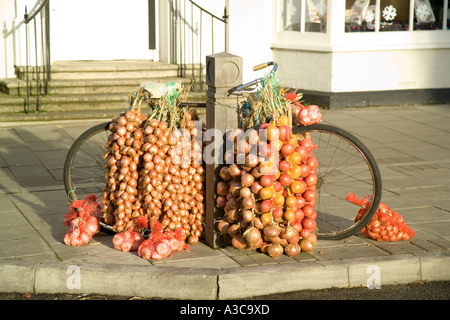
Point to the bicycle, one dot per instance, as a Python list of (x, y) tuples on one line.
[(345, 165)]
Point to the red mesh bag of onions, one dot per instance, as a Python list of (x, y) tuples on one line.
[(161, 244), (303, 115), (82, 220), (386, 224)]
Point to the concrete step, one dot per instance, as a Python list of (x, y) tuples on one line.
[(73, 115), (11, 104), (63, 103), (121, 69), (78, 87), (86, 86)]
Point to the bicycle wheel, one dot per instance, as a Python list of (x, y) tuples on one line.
[(84, 171), (345, 165)]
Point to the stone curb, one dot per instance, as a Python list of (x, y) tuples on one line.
[(220, 284)]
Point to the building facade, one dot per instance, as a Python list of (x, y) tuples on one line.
[(364, 52), (339, 53)]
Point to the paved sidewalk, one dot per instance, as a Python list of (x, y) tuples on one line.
[(411, 145)]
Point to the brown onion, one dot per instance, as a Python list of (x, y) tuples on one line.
[(275, 250), (248, 216), (292, 249), (247, 180), (252, 236), (248, 203), (245, 192), (239, 242)]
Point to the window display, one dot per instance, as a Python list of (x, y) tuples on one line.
[(448, 15), (394, 15), (290, 14), (316, 16), (360, 16), (303, 15), (428, 14)]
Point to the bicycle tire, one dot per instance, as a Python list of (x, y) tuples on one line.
[(84, 167), (345, 165)]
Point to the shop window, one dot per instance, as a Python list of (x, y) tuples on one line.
[(428, 14), (394, 15), (290, 13), (360, 16), (316, 16), (303, 15), (448, 15)]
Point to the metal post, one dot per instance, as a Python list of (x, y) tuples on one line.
[(37, 71), (200, 85), (226, 27), (192, 42), (27, 105), (47, 45), (223, 71), (5, 31)]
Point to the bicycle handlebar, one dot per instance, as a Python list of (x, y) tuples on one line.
[(262, 66), (253, 82)]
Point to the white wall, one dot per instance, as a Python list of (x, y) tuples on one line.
[(250, 33), (117, 29), (249, 30), (354, 71), (99, 30), (390, 70), (79, 30), (308, 70)]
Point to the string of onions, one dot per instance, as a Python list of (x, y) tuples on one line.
[(141, 177), (265, 207)]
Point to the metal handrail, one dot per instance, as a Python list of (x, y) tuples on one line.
[(16, 27), (223, 19), (31, 16), (179, 37), (42, 8)]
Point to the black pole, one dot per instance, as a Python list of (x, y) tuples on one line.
[(27, 105), (47, 45), (37, 66)]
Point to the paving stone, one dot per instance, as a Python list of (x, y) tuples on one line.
[(52, 159), (15, 227), (427, 245), (33, 176), (399, 247), (265, 259), (10, 139), (18, 157), (347, 252), (245, 260), (440, 229), (443, 243), (210, 262), (38, 133), (17, 248), (51, 145)]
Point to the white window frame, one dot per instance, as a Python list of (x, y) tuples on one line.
[(337, 40)]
